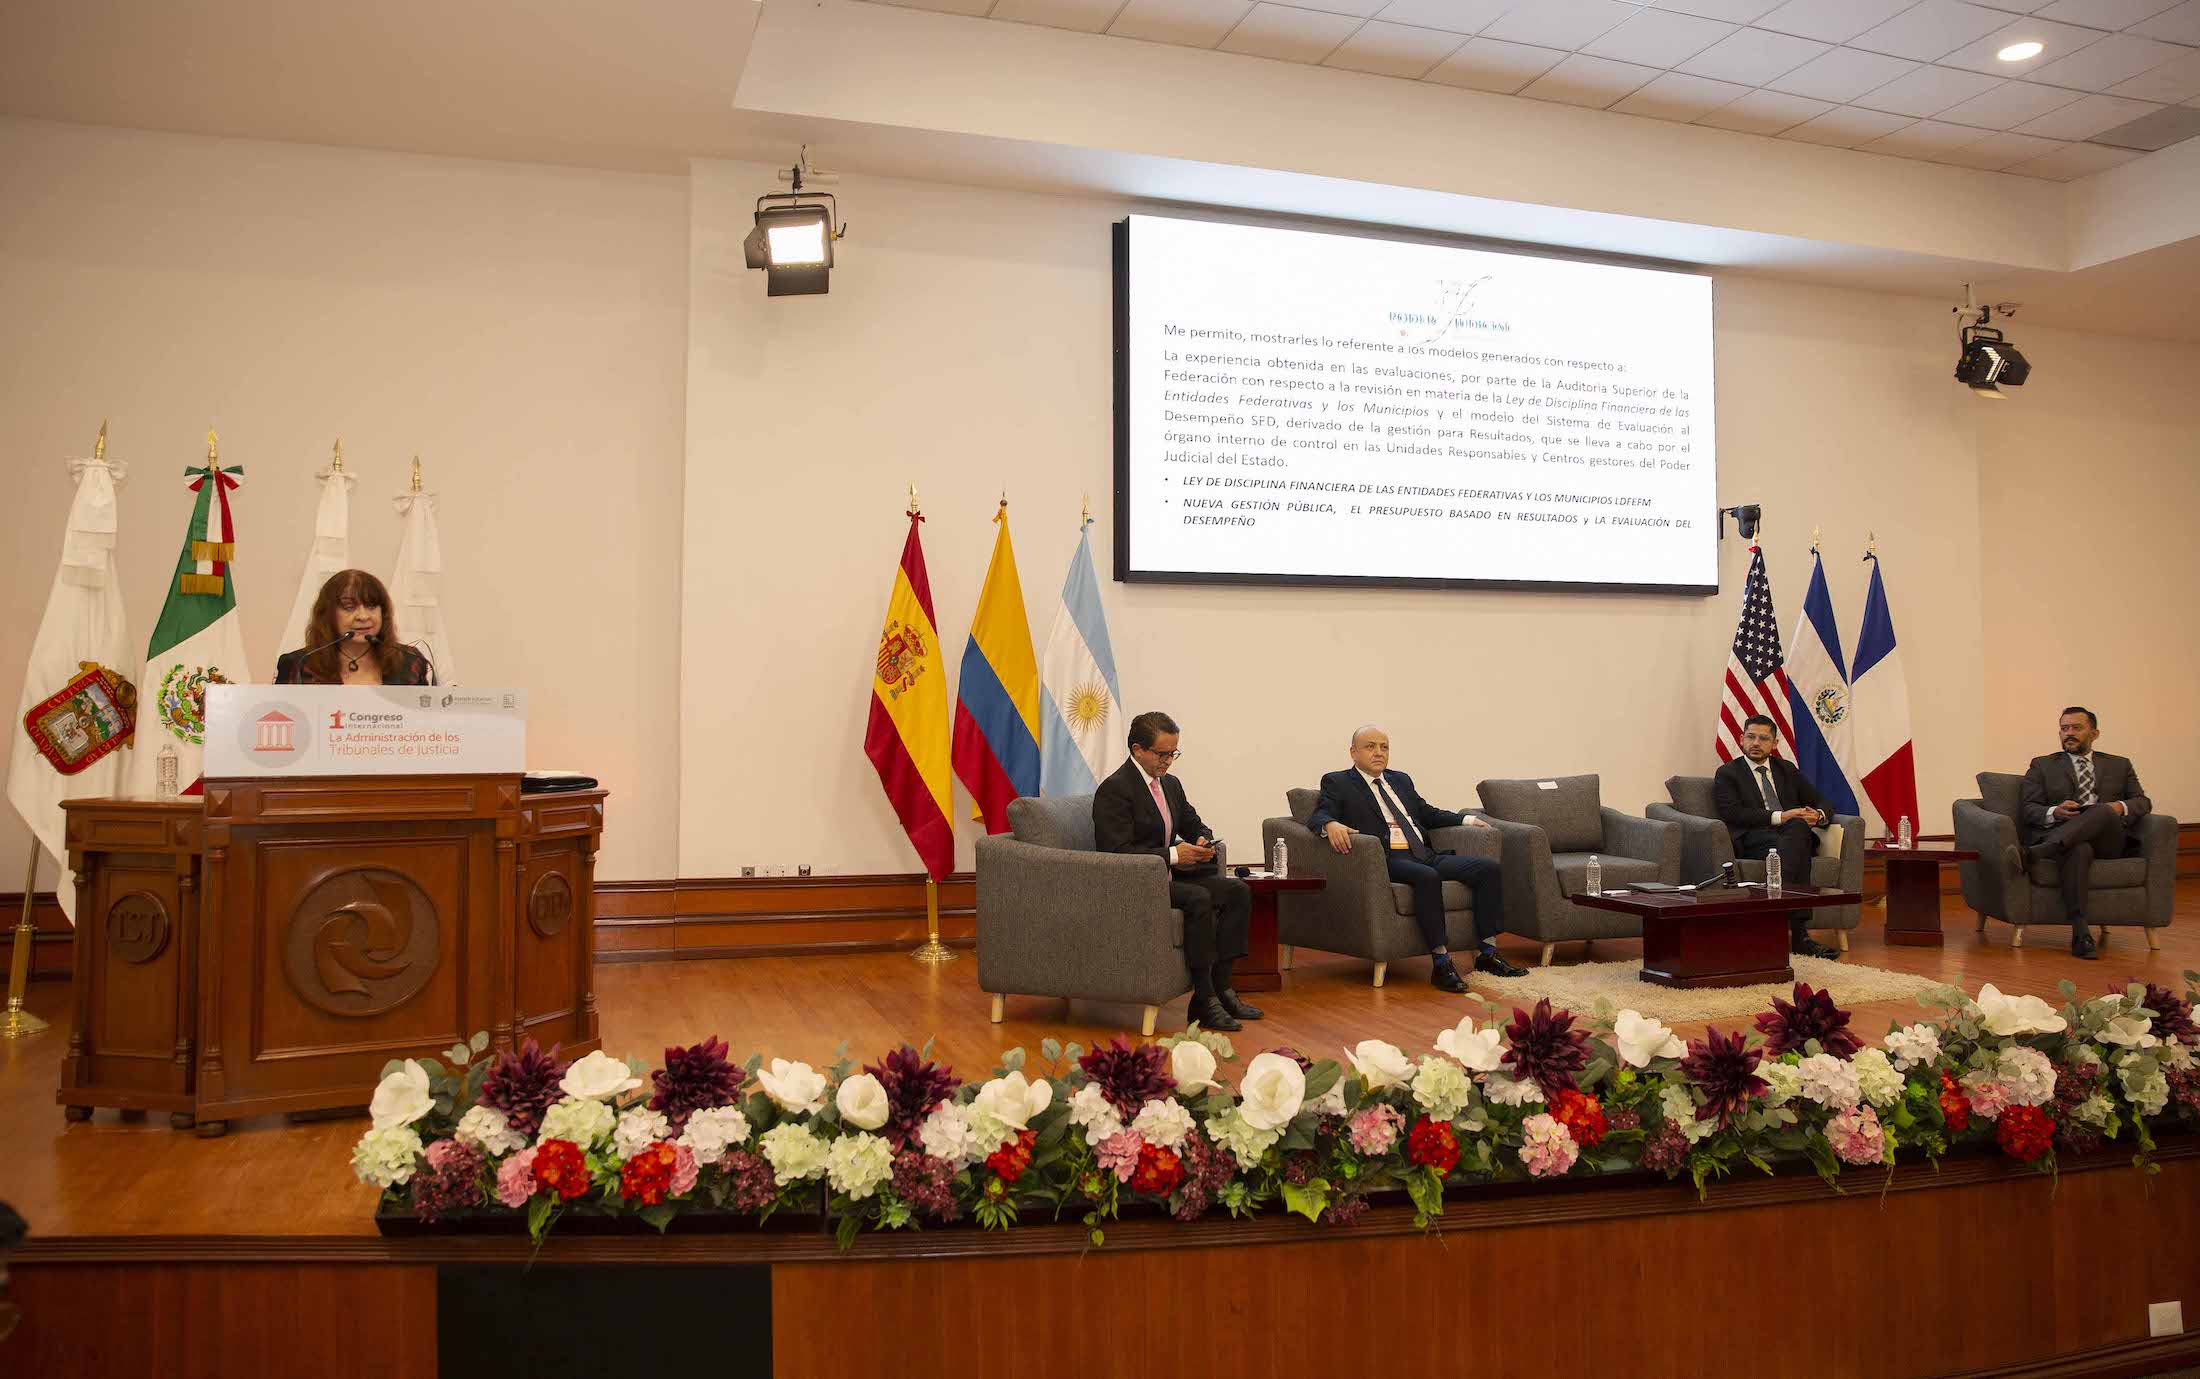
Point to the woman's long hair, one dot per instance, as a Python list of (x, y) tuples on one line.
[(321, 628)]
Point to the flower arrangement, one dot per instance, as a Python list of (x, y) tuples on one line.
[(1091, 1134)]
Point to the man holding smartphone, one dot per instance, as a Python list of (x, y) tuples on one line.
[(1141, 808)]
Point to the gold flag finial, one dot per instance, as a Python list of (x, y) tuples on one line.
[(1871, 545), (336, 458), (913, 508), (1086, 519), (213, 446), (1814, 531), (416, 474), (99, 447)]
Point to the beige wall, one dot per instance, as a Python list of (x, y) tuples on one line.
[(522, 327)]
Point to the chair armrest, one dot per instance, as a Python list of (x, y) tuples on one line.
[(2158, 844), (1647, 840), (1852, 850), (1354, 882), (1994, 884), (1080, 899), (1531, 878), (1705, 844), (1468, 841)]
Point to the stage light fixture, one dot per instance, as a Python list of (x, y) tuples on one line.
[(1747, 518), (1989, 362), (793, 238)]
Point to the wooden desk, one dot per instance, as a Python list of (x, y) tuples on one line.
[(1733, 936), (270, 946), (1913, 889)]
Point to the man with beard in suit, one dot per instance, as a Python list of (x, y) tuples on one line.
[(2080, 805)]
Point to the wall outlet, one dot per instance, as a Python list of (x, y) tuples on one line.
[(2165, 1318), (748, 871), (803, 870)]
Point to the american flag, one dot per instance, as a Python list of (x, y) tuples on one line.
[(1756, 681)]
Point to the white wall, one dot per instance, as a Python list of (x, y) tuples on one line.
[(523, 328)]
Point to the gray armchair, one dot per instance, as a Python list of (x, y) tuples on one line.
[(2136, 891), (1551, 828), (1056, 918), (1706, 846), (1360, 911)]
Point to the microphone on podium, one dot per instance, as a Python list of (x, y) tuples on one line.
[(375, 639)]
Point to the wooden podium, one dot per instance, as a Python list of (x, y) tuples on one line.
[(271, 946)]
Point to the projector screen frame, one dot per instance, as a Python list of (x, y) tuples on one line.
[(1119, 241)]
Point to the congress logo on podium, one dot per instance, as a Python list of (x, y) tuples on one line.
[(274, 735)]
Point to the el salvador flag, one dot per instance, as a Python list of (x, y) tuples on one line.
[(1081, 719), (1818, 696)]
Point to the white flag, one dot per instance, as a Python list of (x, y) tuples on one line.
[(74, 718), (1081, 719), (329, 553), (416, 589)]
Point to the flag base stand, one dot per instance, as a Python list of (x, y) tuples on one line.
[(932, 952), (19, 1023)]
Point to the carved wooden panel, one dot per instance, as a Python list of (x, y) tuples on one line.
[(361, 942)]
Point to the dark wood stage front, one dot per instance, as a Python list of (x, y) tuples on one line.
[(155, 1252)]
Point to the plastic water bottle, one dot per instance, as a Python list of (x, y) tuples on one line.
[(1904, 837), (1593, 881), (164, 772), (1772, 871), (1279, 859)]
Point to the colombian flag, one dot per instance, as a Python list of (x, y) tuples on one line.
[(997, 703), (907, 736)]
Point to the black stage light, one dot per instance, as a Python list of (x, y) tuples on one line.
[(1990, 363), (793, 242)]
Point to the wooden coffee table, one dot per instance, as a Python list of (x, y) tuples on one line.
[(1732, 936), (1257, 970), (1913, 889)]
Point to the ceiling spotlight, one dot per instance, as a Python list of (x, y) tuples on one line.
[(1989, 362), (793, 240), (2018, 52)]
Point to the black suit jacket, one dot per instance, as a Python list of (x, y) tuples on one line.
[(1124, 819), (1347, 799), (1741, 804), (413, 669), (2050, 780)]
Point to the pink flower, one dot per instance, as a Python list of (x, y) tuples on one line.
[(516, 1179), (1118, 1153), (683, 1170), (1989, 1098), (1547, 1150), (1856, 1136), (1374, 1129)]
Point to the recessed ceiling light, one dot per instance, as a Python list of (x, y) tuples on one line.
[(2018, 52)]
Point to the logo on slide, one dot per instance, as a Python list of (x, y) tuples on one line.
[(1830, 705)]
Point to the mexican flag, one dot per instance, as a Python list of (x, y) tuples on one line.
[(198, 641)]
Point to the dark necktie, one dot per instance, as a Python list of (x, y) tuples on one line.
[(1764, 783), (2085, 780), (1415, 847)]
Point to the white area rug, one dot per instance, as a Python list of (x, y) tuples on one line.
[(1577, 986)]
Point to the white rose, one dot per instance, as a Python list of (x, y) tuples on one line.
[(711, 1133), (862, 1102), (1192, 1064), (797, 1087), (490, 1130), (1480, 1051), (598, 1077), (1273, 1089), (2012, 1015), (582, 1122), (1013, 1101), (793, 1152), (2128, 1031), (1379, 1064), (1642, 1039), (1163, 1122), (402, 1097), (638, 1130)]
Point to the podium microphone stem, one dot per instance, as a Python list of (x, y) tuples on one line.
[(932, 951), (20, 1023)]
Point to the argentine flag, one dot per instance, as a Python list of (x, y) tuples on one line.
[(1818, 696), (1081, 717)]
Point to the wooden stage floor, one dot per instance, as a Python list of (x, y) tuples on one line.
[(110, 1178)]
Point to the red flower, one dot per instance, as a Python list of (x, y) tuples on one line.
[(1582, 1116), (560, 1168), (1955, 1107), (1159, 1171), (2024, 1132), (1431, 1142), (648, 1175), (1011, 1159)]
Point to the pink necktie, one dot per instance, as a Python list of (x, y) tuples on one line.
[(1154, 783)]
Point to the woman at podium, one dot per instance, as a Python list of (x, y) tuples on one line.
[(351, 639)]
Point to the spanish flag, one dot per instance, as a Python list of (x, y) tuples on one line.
[(997, 698), (907, 736)]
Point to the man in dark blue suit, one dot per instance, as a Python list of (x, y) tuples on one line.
[(1371, 798)]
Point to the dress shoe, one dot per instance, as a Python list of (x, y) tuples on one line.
[(1811, 948), (2081, 943), (1444, 976), (1209, 1014), (1237, 1006), (1488, 960)]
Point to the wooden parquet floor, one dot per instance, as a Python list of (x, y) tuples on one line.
[(109, 1177)]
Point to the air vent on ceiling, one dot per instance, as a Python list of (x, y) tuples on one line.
[(2169, 125)]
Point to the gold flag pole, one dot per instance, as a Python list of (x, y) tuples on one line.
[(932, 952), (19, 1023)]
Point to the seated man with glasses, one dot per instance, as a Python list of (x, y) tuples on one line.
[(1142, 809)]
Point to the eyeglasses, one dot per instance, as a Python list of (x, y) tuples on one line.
[(1165, 756)]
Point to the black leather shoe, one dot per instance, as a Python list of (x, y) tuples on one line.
[(1209, 1014), (1488, 960), (2081, 943), (1811, 948), (1444, 976), (1236, 1005)]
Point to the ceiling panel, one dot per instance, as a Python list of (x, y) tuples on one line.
[(2104, 14), (1925, 139), (2056, 41), (1591, 81), (1188, 23), (1290, 34), (1998, 151), (1659, 38), (1927, 91), (1924, 32), (2009, 105), (2179, 24), (1489, 64), (1765, 112), (1455, 16), (2085, 117), (1846, 127), (1560, 23), (1833, 21), (1753, 57), (2175, 80), (2075, 160), (1394, 50), (1678, 96), (1843, 74), (1089, 16), (1732, 11)]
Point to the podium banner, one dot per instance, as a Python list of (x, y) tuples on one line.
[(364, 730)]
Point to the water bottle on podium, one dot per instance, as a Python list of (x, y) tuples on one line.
[(1592, 880), (1279, 859), (1904, 838), (1772, 871)]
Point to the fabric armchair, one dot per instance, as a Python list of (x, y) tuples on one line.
[(2137, 890), (1056, 918), (1551, 828), (1360, 911), (1706, 846)]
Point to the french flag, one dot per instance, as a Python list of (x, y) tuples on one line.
[(1818, 696), (1882, 698)]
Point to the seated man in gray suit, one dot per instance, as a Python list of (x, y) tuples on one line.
[(1371, 798), (2079, 805)]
